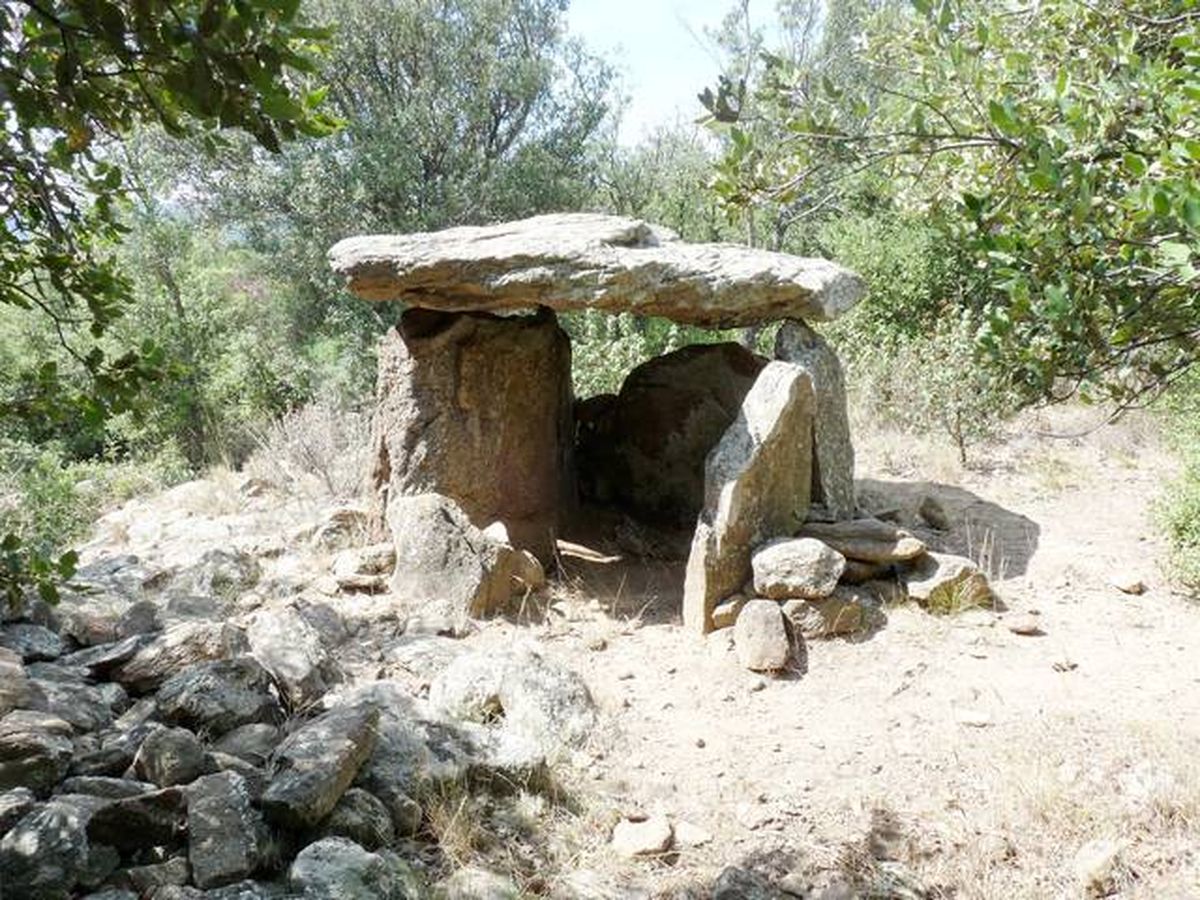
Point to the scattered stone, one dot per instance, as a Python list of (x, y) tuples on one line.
[(741, 884), (644, 449), (801, 568), (362, 818), (158, 819), (1026, 625), (291, 648), (571, 261), (848, 610), (342, 526), (933, 514), (974, 718), (471, 883), (225, 832), (34, 643), (45, 854), (14, 804), (216, 697), (504, 453), (725, 613), (833, 451), (218, 573), (646, 837), (374, 559), (100, 660), (314, 766), (762, 637), (1096, 865), (540, 702), (170, 756), (339, 869), (253, 743), (943, 582), (177, 648), (14, 684), (445, 565), (867, 540), (35, 751), (757, 483)]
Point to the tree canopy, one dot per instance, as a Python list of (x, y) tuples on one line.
[(1057, 142), (76, 76)]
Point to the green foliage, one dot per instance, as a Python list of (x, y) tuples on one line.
[(1058, 143), (76, 76)]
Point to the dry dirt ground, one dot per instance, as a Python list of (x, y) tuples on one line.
[(943, 752)]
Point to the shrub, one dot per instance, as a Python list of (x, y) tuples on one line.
[(323, 439), (1178, 510)]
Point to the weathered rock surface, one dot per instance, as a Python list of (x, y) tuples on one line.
[(170, 756), (533, 699), (14, 684), (445, 566), (35, 750), (217, 697), (175, 649), (757, 484), (478, 409), (339, 869), (314, 765), (476, 884), (106, 787), (867, 540), (136, 823), (253, 743), (847, 610), (646, 837), (762, 637), (291, 648), (797, 567), (833, 451), (14, 805), (945, 582), (646, 449), (45, 855), (588, 261), (34, 643), (225, 832), (362, 818), (86, 707)]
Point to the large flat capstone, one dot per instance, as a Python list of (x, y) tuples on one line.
[(588, 261)]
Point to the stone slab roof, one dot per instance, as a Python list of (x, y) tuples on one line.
[(578, 261)]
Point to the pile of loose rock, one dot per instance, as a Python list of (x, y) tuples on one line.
[(836, 579), (148, 751)]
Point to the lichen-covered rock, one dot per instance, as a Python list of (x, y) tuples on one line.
[(315, 764), (757, 483), (14, 683), (14, 805), (362, 818), (522, 692), (571, 261), (253, 743), (45, 854), (34, 643), (86, 707), (225, 832), (646, 450), (106, 787), (338, 869), (35, 750), (796, 567), (833, 451), (216, 697), (170, 756), (848, 610), (157, 819), (175, 649), (288, 646), (472, 883), (477, 408)]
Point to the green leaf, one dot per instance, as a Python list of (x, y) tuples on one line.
[(1002, 118)]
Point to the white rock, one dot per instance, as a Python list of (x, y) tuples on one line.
[(645, 838)]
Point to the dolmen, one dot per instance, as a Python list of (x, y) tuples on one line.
[(476, 408)]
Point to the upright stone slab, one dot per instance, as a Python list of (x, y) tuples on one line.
[(833, 456), (477, 408), (757, 486)]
